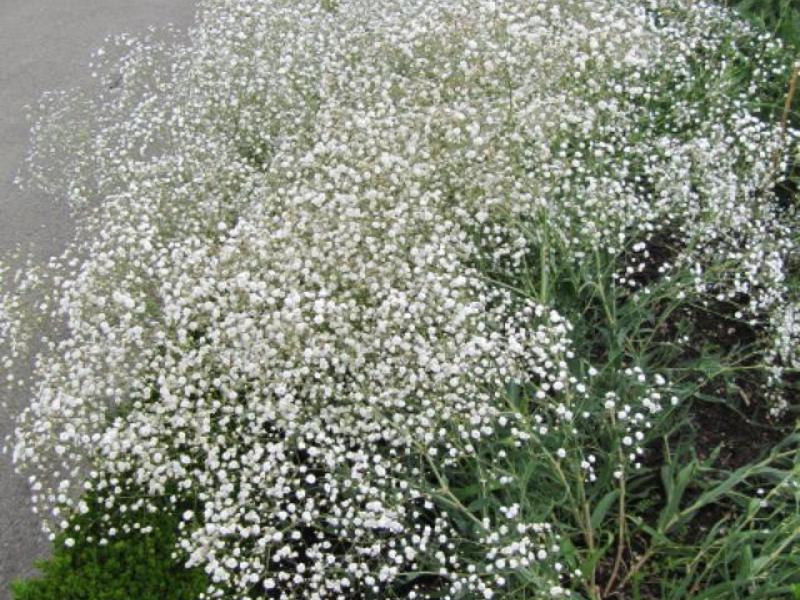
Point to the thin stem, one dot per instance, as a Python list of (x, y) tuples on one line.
[(787, 105), (446, 495), (621, 522)]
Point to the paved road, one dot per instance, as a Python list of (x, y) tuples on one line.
[(45, 44)]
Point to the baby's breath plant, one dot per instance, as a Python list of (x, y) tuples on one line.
[(392, 299)]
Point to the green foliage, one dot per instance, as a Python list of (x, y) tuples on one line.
[(699, 519), (131, 566), (701, 528), (781, 17)]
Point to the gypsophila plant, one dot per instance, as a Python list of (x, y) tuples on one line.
[(353, 286)]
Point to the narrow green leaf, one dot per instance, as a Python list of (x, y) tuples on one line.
[(675, 491), (760, 563), (715, 493), (745, 562), (600, 510)]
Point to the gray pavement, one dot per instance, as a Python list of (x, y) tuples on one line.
[(45, 45)]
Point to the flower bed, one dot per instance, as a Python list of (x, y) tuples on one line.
[(405, 300)]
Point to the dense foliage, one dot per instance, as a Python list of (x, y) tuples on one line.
[(130, 566), (452, 299)]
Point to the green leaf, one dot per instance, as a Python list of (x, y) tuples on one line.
[(466, 493), (712, 495), (478, 504), (745, 562), (760, 563), (726, 589), (675, 490), (600, 510), (745, 6)]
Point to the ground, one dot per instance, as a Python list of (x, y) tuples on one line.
[(45, 45)]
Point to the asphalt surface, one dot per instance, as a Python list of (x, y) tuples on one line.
[(45, 45)]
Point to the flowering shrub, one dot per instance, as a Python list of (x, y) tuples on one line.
[(292, 312)]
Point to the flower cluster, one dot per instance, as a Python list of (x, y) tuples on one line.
[(271, 315)]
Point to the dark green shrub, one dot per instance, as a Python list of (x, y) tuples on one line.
[(131, 566)]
